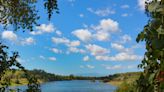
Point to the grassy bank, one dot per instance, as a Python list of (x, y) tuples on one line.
[(121, 78), (17, 77)]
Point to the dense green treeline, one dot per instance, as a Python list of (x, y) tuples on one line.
[(41, 74)]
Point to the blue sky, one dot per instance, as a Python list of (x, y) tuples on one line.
[(91, 37)]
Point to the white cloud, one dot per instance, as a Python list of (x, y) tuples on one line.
[(86, 58), (87, 66), (122, 56), (44, 28), (107, 25), (141, 4), (90, 66), (74, 43), (9, 35), (117, 46), (126, 38), (100, 32), (125, 6), (83, 34), (81, 15), (76, 50), (60, 40), (115, 67), (55, 50), (102, 12), (59, 33), (102, 36), (28, 41), (52, 58), (102, 58), (96, 50), (118, 67), (121, 48), (125, 15)]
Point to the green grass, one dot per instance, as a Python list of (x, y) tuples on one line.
[(125, 81)]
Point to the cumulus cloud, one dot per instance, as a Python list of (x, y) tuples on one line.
[(28, 41), (59, 33), (62, 40), (141, 4), (44, 28), (122, 56), (125, 6), (81, 15), (9, 35), (115, 67), (102, 36), (83, 34), (55, 50), (74, 43), (102, 12), (90, 66), (120, 47), (96, 50), (107, 25), (100, 32), (76, 50), (117, 46), (86, 58), (118, 67), (87, 66), (126, 38), (52, 58)]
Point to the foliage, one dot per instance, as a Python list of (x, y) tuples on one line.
[(22, 14), (153, 63), (7, 63)]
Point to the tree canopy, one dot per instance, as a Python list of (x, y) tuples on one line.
[(22, 14), (152, 80)]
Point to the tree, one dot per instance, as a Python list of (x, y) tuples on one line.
[(21, 14), (152, 79), (6, 64)]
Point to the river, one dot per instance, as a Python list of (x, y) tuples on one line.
[(77, 86)]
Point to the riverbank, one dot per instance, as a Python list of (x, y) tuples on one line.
[(122, 78), (17, 77)]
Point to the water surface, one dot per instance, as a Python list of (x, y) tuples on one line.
[(75, 86)]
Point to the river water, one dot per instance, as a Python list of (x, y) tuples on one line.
[(76, 86)]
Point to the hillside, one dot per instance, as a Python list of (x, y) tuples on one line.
[(120, 78), (17, 77)]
